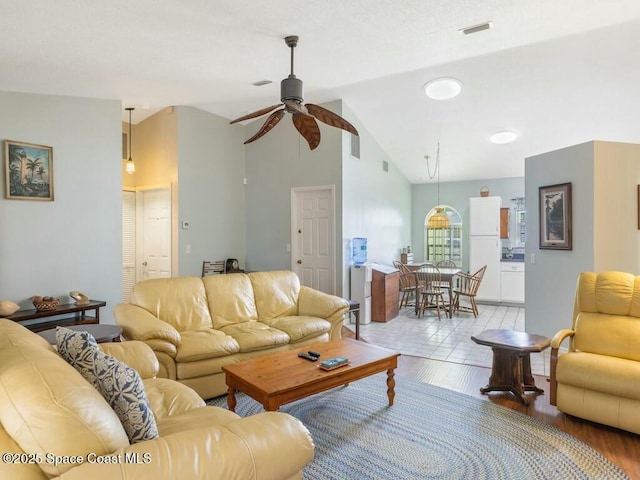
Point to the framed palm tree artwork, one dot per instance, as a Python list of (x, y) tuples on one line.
[(28, 171)]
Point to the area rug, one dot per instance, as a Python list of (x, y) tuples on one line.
[(431, 433)]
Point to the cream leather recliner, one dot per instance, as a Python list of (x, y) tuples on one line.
[(55, 424), (598, 378), (196, 325)]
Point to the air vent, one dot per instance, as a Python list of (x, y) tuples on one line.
[(477, 28), (385, 166), (355, 146), (261, 83)]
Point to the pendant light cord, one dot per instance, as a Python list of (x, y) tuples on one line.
[(436, 171)]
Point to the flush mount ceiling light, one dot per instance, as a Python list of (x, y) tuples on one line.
[(444, 88), (500, 138)]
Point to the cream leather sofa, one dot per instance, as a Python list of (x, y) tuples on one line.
[(196, 325), (598, 378), (50, 414)]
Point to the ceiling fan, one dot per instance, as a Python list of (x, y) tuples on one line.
[(304, 115)]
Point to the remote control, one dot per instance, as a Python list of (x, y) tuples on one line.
[(313, 354), (306, 356)]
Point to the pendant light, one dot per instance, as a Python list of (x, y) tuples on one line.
[(131, 167), (438, 220)]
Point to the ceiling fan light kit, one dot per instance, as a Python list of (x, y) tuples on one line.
[(304, 116), (444, 88)]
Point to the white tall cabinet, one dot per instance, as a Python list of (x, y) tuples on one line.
[(485, 247)]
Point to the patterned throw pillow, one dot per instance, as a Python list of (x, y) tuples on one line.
[(78, 349), (119, 384), (122, 387)]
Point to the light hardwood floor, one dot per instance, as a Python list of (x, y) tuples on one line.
[(620, 447)]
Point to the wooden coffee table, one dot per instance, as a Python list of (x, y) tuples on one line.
[(283, 377), (511, 371)]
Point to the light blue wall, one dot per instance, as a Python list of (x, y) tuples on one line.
[(377, 203), (211, 194), (74, 242), (456, 194)]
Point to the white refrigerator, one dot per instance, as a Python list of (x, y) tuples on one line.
[(485, 246), (361, 290)]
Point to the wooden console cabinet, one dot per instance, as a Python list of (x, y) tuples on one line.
[(385, 293), (37, 321)]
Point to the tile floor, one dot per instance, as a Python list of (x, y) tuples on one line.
[(450, 338)]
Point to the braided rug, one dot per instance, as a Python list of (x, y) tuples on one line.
[(431, 433)]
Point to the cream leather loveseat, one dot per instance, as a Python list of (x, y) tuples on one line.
[(196, 325), (598, 378), (55, 424)]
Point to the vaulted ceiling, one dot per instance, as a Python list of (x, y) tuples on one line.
[(556, 73)]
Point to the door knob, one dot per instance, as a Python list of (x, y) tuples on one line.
[(299, 262), (144, 264)]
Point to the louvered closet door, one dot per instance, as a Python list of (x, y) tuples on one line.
[(128, 243)]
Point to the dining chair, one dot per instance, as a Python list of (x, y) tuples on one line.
[(407, 283), (447, 263), (468, 287), (430, 294)]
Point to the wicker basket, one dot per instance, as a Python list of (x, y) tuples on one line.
[(484, 191), (46, 305)]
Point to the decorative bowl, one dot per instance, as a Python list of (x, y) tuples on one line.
[(45, 304), (7, 307)]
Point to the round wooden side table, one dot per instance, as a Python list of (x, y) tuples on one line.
[(102, 333)]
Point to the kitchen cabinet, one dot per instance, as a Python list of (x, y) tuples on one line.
[(385, 293), (504, 222), (512, 281)]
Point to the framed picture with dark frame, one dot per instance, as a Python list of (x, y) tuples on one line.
[(555, 216), (28, 170)]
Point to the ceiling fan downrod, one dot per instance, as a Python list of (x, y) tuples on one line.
[(291, 87)]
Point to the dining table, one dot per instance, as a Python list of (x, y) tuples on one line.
[(447, 274)]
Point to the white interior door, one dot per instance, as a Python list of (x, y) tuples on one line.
[(154, 235), (313, 237)]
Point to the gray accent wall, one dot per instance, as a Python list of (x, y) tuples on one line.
[(369, 201), (276, 163), (74, 242), (604, 178), (550, 282), (211, 194)]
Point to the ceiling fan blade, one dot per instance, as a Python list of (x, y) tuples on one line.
[(271, 122), (330, 118), (259, 113), (308, 128)]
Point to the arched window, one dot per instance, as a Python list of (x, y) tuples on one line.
[(444, 243)]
